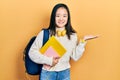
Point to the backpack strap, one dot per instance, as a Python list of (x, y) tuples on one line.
[(45, 36)]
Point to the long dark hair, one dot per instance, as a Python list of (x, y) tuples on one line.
[(68, 26)]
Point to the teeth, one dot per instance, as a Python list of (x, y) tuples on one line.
[(60, 22)]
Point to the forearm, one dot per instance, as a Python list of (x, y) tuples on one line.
[(78, 51)]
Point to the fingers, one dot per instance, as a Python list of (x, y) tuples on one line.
[(55, 60), (57, 57), (92, 38), (89, 37)]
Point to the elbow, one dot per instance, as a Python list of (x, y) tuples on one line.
[(77, 58), (30, 55), (78, 55)]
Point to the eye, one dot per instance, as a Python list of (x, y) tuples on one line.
[(64, 15), (57, 15)]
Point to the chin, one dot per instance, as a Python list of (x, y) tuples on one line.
[(60, 26)]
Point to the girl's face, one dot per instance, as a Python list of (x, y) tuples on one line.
[(61, 17)]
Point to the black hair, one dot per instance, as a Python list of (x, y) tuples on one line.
[(52, 25)]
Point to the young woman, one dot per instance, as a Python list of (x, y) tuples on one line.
[(60, 27)]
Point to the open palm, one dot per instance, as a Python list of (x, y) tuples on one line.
[(89, 37)]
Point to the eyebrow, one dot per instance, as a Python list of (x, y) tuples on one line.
[(63, 14)]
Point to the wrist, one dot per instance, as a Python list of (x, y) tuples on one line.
[(82, 40)]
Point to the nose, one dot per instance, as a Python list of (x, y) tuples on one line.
[(61, 18)]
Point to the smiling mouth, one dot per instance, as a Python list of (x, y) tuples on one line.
[(61, 22)]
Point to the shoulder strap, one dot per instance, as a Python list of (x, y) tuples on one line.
[(45, 36)]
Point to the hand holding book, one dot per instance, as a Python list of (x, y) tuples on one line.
[(55, 61), (50, 52)]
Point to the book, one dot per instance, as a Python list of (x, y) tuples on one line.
[(52, 48), (53, 45), (50, 52)]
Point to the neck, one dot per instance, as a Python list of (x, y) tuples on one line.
[(60, 28)]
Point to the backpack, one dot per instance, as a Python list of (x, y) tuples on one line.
[(33, 68)]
